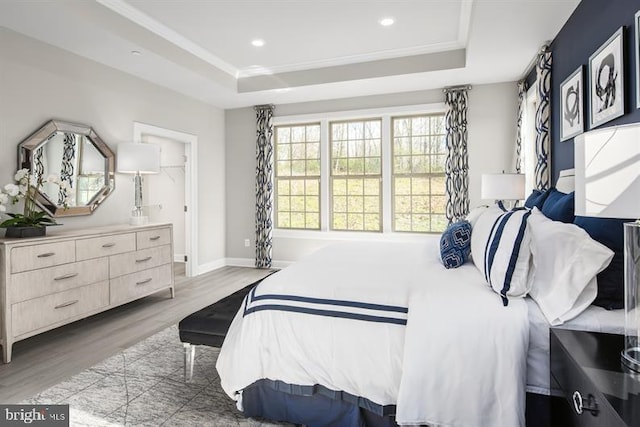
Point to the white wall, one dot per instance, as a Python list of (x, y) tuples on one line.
[(39, 82), (491, 124)]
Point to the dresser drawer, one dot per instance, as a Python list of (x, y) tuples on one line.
[(151, 238), (131, 262), (45, 281), (136, 285), (38, 313), (26, 258), (95, 247), (576, 388)]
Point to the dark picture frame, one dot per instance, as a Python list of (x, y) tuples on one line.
[(637, 44), (572, 105), (606, 81)]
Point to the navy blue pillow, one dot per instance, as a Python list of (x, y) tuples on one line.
[(455, 244), (559, 206), (609, 232), (536, 199)]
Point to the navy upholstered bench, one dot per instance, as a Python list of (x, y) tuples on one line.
[(209, 326)]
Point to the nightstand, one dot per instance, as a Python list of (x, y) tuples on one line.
[(586, 367)]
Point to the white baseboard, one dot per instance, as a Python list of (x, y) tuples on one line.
[(240, 262), (210, 266)]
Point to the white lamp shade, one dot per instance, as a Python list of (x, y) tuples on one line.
[(138, 158), (502, 186), (607, 164)]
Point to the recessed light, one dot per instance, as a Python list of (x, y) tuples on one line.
[(257, 42), (386, 22), (135, 53)]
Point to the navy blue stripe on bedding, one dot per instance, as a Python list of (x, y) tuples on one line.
[(514, 258), (495, 242), (342, 303), (326, 313), (487, 251), (333, 308)]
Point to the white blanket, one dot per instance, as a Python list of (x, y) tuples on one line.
[(337, 319), (464, 356)]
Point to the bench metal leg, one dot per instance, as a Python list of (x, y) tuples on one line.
[(189, 358)]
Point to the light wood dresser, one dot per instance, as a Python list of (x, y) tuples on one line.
[(50, 281)]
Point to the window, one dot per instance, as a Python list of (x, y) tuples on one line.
[(419, 155), (297, 161), (356, 175), (368, 171)]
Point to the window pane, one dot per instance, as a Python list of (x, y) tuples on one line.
[(339, 221), (283, 168), (284, 220), (339, 187), (283, 203), (297, 157), (419, 155), (298, 151), (313, 133), (283, 135), (402, 186), (298, 168)]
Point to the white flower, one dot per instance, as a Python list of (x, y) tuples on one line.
[(3, 208), (21, 174), (12, 190), (4, 199)]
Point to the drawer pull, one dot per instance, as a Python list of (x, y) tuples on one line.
[(108, 245), (66, 304), (580, 405), (144, 259), (66, 276), (144, 281), (46, 255), (154, 238)]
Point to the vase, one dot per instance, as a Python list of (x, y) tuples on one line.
[(27, 231)]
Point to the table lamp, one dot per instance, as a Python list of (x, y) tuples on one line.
[(607, 164), (138, 159), (502, 186)]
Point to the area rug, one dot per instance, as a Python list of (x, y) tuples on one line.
[(144, 386)]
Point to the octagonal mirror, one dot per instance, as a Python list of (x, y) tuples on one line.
[(78, 156)]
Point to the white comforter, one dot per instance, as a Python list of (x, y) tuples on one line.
[(459, 361)]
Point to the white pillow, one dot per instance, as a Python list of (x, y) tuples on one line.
[(500, 250), (475, 213), (566, 261)]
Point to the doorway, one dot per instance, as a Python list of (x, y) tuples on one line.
[(171, 194)]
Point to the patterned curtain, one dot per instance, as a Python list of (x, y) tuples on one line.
[(457, 163), (543, 115), (264, 184), (522, 90)]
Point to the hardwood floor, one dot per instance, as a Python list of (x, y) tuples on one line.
[(46, 359)]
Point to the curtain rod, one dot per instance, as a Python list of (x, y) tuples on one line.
[(534, 60), (453, 88), (256, 107)]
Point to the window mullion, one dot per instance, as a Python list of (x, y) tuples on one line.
[(387, 222), (325, 173)]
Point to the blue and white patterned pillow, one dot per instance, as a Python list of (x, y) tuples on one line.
[(455, 244), (500, 249)]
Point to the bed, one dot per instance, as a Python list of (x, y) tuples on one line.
[(380, 334)]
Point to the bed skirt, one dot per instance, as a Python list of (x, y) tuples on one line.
[(320, 406), (313, 406)]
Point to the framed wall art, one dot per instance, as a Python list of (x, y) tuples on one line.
[(571, 106), (637, 45), (606, 81)]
